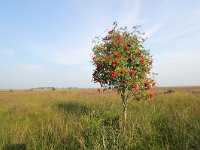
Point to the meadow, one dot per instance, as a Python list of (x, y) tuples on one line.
[(84, 119)]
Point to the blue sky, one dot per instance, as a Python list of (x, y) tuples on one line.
[(48, 42)]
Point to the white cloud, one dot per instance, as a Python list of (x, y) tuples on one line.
[(175, 24), (32, 67)]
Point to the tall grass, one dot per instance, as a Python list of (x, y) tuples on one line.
[(84, 119)]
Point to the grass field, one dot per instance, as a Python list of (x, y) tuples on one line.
[(84, 119)]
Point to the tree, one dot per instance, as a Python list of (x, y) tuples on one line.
[(122, 63)]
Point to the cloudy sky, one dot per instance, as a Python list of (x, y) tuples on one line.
[(48, 42)]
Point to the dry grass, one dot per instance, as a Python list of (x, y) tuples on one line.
[(84, 119)]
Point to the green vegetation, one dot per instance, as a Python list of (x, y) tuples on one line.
[(121, 62), (84, 119)]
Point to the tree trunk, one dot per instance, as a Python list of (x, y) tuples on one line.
[(124, 111), (124, 104)]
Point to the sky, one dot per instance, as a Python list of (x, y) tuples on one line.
[(49, 43)]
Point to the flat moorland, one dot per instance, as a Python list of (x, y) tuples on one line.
[(84, 119)]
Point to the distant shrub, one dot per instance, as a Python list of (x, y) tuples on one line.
[(170, 91)]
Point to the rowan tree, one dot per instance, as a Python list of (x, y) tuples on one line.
[(122, 63)]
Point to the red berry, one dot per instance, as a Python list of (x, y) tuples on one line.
[(114, 67), (139, 53), (108, 37), (151, 95), (110, 72), (123, 81), (142, 60), (151, 62), (147, 84), (120, 42), (114, 74), (107, 57), (132, 72), (99, 80), (113, 42), (115, 62), (100, 63), (135, 86), (123, 71), (129, 59), (116, 54), (126, 47), (118, 36)]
